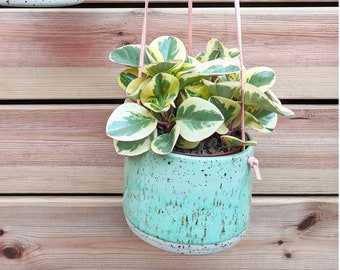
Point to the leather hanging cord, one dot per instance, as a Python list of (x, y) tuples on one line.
[(190, 27), (239, 37), (143, 39)]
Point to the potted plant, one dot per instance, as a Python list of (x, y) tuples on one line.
[(187, 182)]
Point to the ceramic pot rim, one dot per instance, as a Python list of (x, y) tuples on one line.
[(230, 154)]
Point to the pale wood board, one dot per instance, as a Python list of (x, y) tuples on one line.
[(29, 83), (91, 233), (64, 149), (284, 37), (63, 53)]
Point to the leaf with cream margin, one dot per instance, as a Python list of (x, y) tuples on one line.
[(233, 142), (134, 148), (261, 77), (126, 77), (165, 143), (130, 122), (230, 109), (198, 119), (171, 48), (127, 55), (160, 92), (258, 99)]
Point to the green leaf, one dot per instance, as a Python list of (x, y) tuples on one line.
[(134, 148), (268, 122), (198, 119), (261, 77), (162, 67), (226, 89), (153, 55), (130, 122), (234, 52), (214, 50), (171, 48), (198, 90), (184, 144), (256, 98), (230, 109), (127, 55), (233, 142), (136, 86), (160, 92), (165, 143), (126, 77), (217, 67)]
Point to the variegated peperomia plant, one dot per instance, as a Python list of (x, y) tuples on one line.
[(178, 100)]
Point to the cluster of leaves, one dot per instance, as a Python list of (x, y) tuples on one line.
[(179, 100)]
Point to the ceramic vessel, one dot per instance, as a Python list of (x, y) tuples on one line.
[(188, 205)]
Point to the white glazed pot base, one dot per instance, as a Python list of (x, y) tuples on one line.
[(185, 249)]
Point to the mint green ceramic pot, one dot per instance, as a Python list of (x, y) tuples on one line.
[(188, 204)]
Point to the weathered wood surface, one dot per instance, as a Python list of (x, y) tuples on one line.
[(64, 149), (63, 53), (90, 233)]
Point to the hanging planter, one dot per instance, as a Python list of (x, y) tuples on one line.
[(188, 204), (177, 195)]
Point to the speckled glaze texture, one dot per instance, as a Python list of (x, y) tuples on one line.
[(39, 3), (198, 203)]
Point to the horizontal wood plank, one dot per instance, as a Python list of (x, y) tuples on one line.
[(27, 83), (91, 233), (63, 53), (64, 149)]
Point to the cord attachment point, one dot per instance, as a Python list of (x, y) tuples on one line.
[(255, 164)]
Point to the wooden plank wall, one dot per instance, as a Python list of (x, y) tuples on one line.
[(61, 182)]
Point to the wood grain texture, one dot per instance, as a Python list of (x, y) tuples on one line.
[(38, 83), (63, 53), (91, 233), (64, 149)]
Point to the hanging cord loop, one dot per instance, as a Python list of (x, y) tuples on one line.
[(239, 37), (143, 39), (190, 27), (252, 161)]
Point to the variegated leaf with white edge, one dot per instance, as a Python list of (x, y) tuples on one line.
[(184, 144), (198, 119), (255, 97), (136, 86), (130, 122), (198, 90), (162, 67), (165, 143), (153, 55), (233, 142), (234, 52), (226, 89), (126, 77), (217, 67), (134, 148), (127, 55), (214, 49), (230, 109), (170, 47), (261, 77), (160, 92)]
